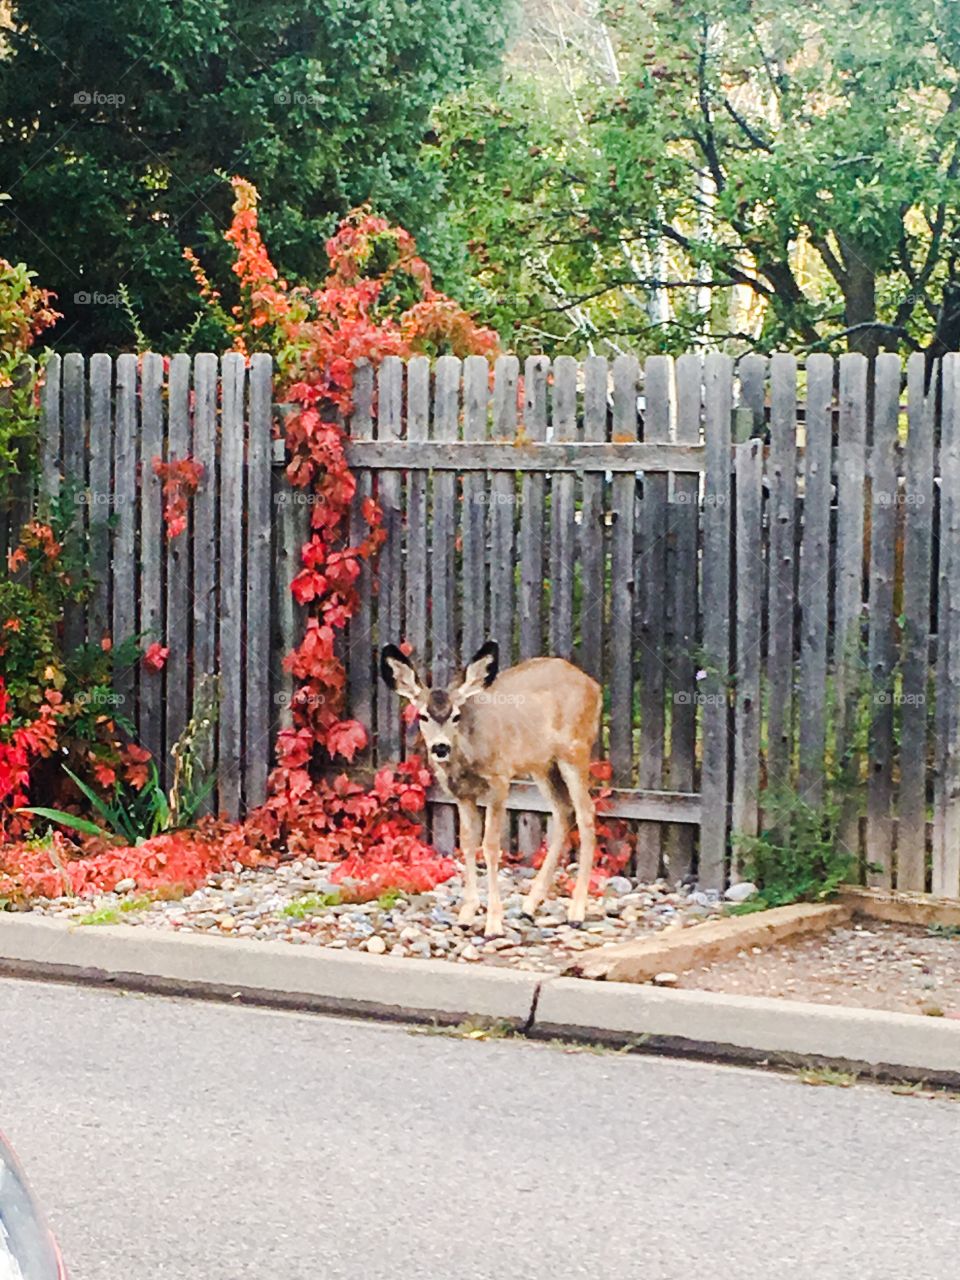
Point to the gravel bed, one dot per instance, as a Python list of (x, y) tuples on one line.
[(872, 965), (292, 904)]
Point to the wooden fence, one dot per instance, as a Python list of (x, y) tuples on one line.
[(761, 565)]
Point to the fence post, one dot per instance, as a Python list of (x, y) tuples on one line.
[(233, 378), (624, 495), (390, 566), (851, 460), (683, 518), (650, 576), (781, 568), (815, 578), (749, 609), (150, 597), (443, 634), (530, 602), (881, 655), (714, 687), (946, 848), (74, 422), (125, 533), (361, 644), (258, 723), (503, 491), (917, 562)]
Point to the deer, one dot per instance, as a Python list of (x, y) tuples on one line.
[(538, 719)]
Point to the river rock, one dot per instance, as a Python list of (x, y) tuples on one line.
[(741, 892)]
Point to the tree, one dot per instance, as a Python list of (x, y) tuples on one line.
[(118, 118), (799, 163)]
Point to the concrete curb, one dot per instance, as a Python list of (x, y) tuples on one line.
[(273, 973), (753, 1028), (677, 950), (699, 1023)]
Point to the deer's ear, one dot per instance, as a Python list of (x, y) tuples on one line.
[(400, 674), (481, 671)]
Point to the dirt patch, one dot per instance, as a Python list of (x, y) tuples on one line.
[(868, 965)]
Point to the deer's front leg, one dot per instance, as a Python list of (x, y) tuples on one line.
[(469, 841), (492, 831)]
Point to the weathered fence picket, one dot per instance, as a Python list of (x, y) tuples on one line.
[(814, 582), (917, 493), (152, 548), (714, 687), (597, 510)]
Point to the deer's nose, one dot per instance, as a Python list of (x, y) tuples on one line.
[(441, 750)]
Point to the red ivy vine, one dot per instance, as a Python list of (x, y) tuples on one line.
[(378, 300), (180, 479)]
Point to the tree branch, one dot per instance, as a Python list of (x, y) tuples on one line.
[(834, 265), (895, 330), (745, 128)]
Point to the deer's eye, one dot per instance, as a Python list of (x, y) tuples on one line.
[(455, 717), (423, 717)]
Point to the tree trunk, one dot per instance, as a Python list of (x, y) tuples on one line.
[(860, 301)]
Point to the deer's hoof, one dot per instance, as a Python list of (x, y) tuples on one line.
[(574, 924), (468, 913)]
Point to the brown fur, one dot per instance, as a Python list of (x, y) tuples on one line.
[(539, 719)]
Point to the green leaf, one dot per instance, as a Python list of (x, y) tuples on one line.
[(64, 819), (107, 812)]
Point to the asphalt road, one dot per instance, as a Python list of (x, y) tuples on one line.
[(208, 1142)]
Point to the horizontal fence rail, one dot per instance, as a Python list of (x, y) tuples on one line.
[(759, 562)]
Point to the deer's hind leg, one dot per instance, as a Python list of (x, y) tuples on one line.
[(561, 819), (575, 776)]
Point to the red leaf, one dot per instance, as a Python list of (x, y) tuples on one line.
[(346, 738), (155, 657)]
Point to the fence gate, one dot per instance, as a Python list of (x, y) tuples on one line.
[(559, 511)]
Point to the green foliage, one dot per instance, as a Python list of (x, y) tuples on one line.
[(631, 159), (133, 815), (389, 899), (944, 931), (820, 1077), (120, 119), (101, 915), (798, 856), (64, 819), (114, 915), (192, 754), (50, 573), (24, 314), (310, 904)]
